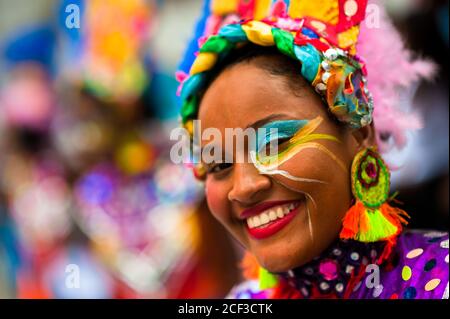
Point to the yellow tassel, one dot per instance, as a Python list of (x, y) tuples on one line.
[(371, 225)]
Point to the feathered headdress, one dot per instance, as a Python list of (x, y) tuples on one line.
[(334, 46)]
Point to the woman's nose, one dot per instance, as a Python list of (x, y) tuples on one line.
[(248, 184)]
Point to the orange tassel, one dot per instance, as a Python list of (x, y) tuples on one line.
[(354, 221), (395, 215), (250, 267)]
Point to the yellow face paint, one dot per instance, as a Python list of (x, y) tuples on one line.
[(303, 138)]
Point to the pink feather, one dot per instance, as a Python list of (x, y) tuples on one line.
[(391, 68)]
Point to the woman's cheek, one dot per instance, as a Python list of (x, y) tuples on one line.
[(216, 198), (305, 164)]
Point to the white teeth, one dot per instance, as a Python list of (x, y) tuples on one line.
[(280, 213), (264, 218), (272, 215), (256, 221), (269, 215)]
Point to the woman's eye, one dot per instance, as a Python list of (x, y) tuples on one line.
[(275, 146), (281, 141), (217, 168)]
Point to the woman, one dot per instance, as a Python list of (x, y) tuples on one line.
[(315, 214)]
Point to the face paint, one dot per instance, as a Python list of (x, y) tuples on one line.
[(275, 132), (302, 139), (273, 171), (310, 226), (299, 135), (308, 197), (278, 130)]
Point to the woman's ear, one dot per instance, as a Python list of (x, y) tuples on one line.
[(364, 137)]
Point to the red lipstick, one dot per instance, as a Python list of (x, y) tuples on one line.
[(274, 226)]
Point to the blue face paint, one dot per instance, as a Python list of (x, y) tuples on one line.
[(278, 130)]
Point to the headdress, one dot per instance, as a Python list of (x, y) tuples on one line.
[(324, 37)]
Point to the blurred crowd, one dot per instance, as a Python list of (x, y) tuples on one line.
[(90, 204)]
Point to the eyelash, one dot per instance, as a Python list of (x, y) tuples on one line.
[(279, 142), (213, 168), (219, 168)]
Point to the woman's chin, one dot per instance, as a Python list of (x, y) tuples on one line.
[(292, 250), (278, 263)]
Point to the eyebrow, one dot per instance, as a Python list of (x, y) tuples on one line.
[(265, 120)]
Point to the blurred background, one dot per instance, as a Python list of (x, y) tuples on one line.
[(90, 204)]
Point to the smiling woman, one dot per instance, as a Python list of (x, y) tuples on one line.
[(239, 191), (314, 216)]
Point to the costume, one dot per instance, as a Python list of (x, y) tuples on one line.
[(416, 269), (374, 257)]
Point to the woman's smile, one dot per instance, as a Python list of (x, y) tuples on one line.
[(268, 218)]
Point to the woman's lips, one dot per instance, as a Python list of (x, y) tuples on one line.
[(269, 218)]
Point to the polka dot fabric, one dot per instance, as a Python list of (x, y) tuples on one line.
[(417, 269)]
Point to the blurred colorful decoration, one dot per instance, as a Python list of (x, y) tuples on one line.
[(135, 156), (27, 100), (75, 272), (175, 184), (40, 201), (80, 136), (112, 40), (31, 44), (443, 21), (144, 238), (9, 255)]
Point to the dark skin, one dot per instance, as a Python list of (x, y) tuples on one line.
[(246, 93)]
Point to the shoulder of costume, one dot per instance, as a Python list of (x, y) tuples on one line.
[(424, 255)]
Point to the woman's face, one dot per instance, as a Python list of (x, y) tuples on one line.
[(305, 215)]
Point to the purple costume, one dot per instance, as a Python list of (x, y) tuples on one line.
[(417, 268)]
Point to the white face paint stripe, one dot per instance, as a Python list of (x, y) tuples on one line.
[(311, 233), (265, 171), (297, 191), (308, 196)]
